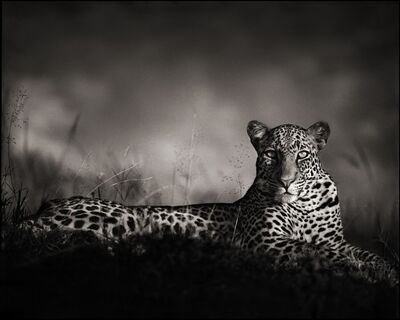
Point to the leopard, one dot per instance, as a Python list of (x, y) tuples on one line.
[(293, 203), (291, 206)]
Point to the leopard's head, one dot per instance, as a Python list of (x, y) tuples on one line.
[(287, 157)]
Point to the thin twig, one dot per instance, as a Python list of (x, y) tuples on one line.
[(190, 159), (75, 175), (156, 191), (140, 179), (236, 222), (122, 171)]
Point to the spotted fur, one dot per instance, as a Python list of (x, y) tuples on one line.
[(111, 220), (293, 202)]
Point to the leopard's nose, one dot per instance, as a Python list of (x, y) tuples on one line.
[(286, 182)]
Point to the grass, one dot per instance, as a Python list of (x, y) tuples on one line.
[(75, 275)]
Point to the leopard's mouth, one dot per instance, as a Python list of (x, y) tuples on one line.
[(285, 196)]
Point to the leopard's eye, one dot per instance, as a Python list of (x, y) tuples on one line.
[(302, 154), (270, 154)]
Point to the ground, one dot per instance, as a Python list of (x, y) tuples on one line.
[(176, 277)]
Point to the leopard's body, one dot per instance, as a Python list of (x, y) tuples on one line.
[(109, 219), (292, 203)]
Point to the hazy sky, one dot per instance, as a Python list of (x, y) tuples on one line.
[(144, 76)]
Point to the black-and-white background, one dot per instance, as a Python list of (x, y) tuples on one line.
[(167, 88), (148, 103)]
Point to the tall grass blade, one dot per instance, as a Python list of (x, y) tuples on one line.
[(364, 160)]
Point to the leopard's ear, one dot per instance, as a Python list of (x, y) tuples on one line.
[(256, 131), (320, 132)]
